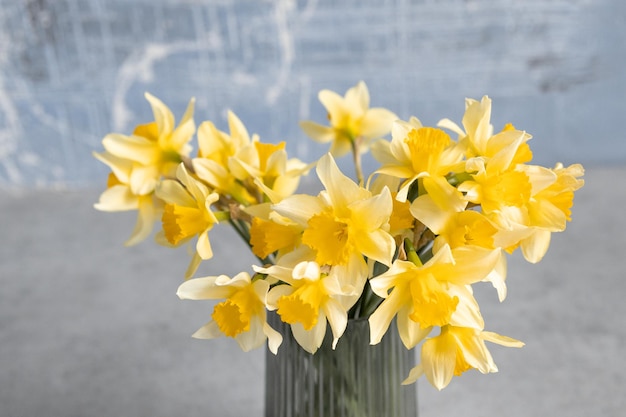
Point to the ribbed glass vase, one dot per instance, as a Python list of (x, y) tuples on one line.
[(354, 380)]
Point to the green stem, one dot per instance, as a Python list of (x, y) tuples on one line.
[(356, 155), (411, 255)]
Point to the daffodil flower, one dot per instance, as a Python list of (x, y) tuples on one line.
[(433, 294), (309, 298), (187, 214), (454, 351), (242, 314), (351, 119), (548, 208), (155, 148), (344, 223), (420, 153), (479, 140)]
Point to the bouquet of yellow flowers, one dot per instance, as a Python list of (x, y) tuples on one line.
[(407, 242)]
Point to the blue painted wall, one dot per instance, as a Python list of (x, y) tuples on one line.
[(73, 70)]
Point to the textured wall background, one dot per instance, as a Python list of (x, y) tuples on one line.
[(73, 70)]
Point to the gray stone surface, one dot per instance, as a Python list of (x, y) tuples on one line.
[(72, 71), (89, 328)]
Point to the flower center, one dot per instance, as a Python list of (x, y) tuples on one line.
[(511, 188), (432, 306), (180, 222), (232, 316), (426, 145), (330, 237), (471, 228), (303, 305), (265, 150)]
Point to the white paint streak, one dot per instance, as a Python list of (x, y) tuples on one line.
[(11, 130), (139, 67), (285, 40)]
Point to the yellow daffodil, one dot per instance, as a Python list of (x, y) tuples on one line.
[(454, 351), (344, 224), (351, 119), (498, 183), (433, 294), (548, 209), (242, 314), (155, 148), (310, 297), (420, 153), (187, 214), (478, 139)]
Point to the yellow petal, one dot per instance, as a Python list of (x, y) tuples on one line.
[(299, 208), (204, 288), (146, 218), (377, 245), (358, 97), (536, 245), (439, 359), (310, 340), (238, 132), (143, 179), (444, 195), (117, 198), (317, 132), (162, 114), (120, 167), (274, 338), (501, 340), (377, 122), (208, 331), (381, 318), (411, 333), (341, 189), (134, 148), (337, 318), (174, 192), (185, 130), (430, 214), (203, 246), (415, 374), (333, 103), (254, 337)]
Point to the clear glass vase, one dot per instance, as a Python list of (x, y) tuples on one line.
[(354, 380)]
